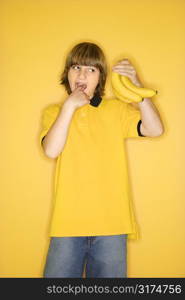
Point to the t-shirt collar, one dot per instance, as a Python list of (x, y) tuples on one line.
[(95, 101)]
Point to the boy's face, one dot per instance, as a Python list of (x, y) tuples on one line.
[(87, 75)]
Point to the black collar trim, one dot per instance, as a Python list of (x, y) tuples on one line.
[(95, 101)]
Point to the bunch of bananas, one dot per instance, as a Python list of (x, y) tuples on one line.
[(125, 90)]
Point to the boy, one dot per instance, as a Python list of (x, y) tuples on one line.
[(93, 213)]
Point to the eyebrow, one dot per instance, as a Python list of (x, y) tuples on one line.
[(84, 66)]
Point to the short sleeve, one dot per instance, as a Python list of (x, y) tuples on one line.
[(130, 121), (49, 115)]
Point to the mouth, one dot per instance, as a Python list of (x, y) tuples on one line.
[(83, 85)]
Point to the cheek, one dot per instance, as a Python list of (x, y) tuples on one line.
[(71, 76), (98, 76), (96, 79)]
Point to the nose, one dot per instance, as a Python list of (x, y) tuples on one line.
[(82, 74)]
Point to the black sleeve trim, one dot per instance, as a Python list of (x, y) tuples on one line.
[(42, 139), (138, 128)]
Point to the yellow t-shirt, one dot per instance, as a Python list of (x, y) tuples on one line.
[(92, 194)]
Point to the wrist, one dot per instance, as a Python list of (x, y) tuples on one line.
[(144, 99), (69, 105)]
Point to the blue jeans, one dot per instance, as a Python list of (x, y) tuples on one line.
[(104, 256)]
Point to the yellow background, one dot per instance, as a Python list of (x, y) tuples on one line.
[(35, 38)]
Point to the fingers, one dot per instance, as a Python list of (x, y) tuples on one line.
[(124, 67), (81, 89), (87, 96), (123, 71), (125, 62), (121, 67)]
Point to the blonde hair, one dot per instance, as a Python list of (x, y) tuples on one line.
[(87, 54)]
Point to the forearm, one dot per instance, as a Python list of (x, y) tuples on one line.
[(56, 137), (151, 121)]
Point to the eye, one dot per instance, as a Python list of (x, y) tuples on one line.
[(75, 66)]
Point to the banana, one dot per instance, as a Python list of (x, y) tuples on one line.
[(143, 92), (122, 90), (125, 90), (121, 97)]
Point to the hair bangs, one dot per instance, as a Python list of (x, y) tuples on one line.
[(85, 56)]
